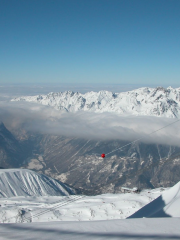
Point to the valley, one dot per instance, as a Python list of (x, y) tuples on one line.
[(78, 162)]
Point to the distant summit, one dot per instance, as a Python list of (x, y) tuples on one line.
[(159, 102)]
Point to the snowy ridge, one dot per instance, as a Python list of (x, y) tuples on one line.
[(23, 182), (166, 205), (143, 101)]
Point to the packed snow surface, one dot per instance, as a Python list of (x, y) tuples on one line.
[(127, 229), (143, 101)]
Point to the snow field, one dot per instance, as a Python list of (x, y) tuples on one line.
[(87, 208), (89, 217)]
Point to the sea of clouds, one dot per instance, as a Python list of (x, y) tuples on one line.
[(88, 125)]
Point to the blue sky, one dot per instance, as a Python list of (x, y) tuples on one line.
[(90, 41)]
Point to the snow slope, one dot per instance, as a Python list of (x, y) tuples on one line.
[(143, 101), (30, 197), (23, 182), (128, 229), (166, 205), (74, 207), (30, 208)]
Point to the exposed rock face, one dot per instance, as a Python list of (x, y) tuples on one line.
[(12, 151), (158, 102)]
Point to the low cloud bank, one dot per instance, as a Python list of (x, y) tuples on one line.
[(103, 126)]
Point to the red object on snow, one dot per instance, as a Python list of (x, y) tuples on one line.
[(103, 155)]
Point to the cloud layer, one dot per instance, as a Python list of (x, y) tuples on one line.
[(104, 126)]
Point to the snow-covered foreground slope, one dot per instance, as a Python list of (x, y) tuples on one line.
[(60, 217), (37, 198), (128, 229), (166, 205), (74, 207), (143, 101), (23, 182)]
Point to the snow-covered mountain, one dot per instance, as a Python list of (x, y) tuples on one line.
[(23, 182), (143, 101)]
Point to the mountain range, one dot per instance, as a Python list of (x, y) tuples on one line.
[(145, 101)]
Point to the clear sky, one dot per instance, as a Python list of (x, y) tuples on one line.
[(90, 41)]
